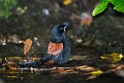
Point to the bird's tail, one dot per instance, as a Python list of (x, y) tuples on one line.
[(35, 63), (31, 63)]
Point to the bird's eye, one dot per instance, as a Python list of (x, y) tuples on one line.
[(61, 28)]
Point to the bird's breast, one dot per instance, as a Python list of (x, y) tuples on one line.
[(55, 48)]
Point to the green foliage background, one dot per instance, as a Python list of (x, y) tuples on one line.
[(5, 7)]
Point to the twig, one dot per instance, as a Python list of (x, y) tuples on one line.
[(82, 68)]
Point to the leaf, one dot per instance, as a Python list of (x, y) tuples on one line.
[(27, 46), (99, 8), (12, 68), (14, 57), (62, 71), (119, 8), (92, 77), (12, 76), (117, 59), (97, 72), (105, 0), (67, 2), (14, 72), (116, 2), (114, 57)]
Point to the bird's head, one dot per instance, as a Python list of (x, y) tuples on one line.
[(64, 26), (58, 32)]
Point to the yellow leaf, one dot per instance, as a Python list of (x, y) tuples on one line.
[(12, 77), (97, 72), (67, 2), (14, 57), (114, 57)]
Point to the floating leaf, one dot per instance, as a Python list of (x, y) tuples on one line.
[(85, 68), (92, 77), (14, 72), (97, 72), (14, 58), (62, 71), (12, 77), (114, 57), (100, 8), (119, 8), (67, 2), (27, 46), (12, 68)]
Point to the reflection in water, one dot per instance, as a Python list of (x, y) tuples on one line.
[(58, 78), (62, 77)]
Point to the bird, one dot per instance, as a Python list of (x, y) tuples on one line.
[(58, 51)]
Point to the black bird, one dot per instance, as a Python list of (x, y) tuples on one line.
[(58, 51)]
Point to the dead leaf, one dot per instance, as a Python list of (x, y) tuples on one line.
[(2, 40), (12, 68), (62, 71), (14, 38), (27, 45), (85, 68), (91, 77), (120, 67)]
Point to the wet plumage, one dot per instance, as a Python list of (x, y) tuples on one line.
[(58, 51)]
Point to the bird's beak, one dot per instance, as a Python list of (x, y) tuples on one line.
[(66, 25)]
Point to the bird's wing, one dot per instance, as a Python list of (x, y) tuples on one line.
[(55, 49)]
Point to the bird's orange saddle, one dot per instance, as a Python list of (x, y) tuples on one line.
[(54, 48)]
